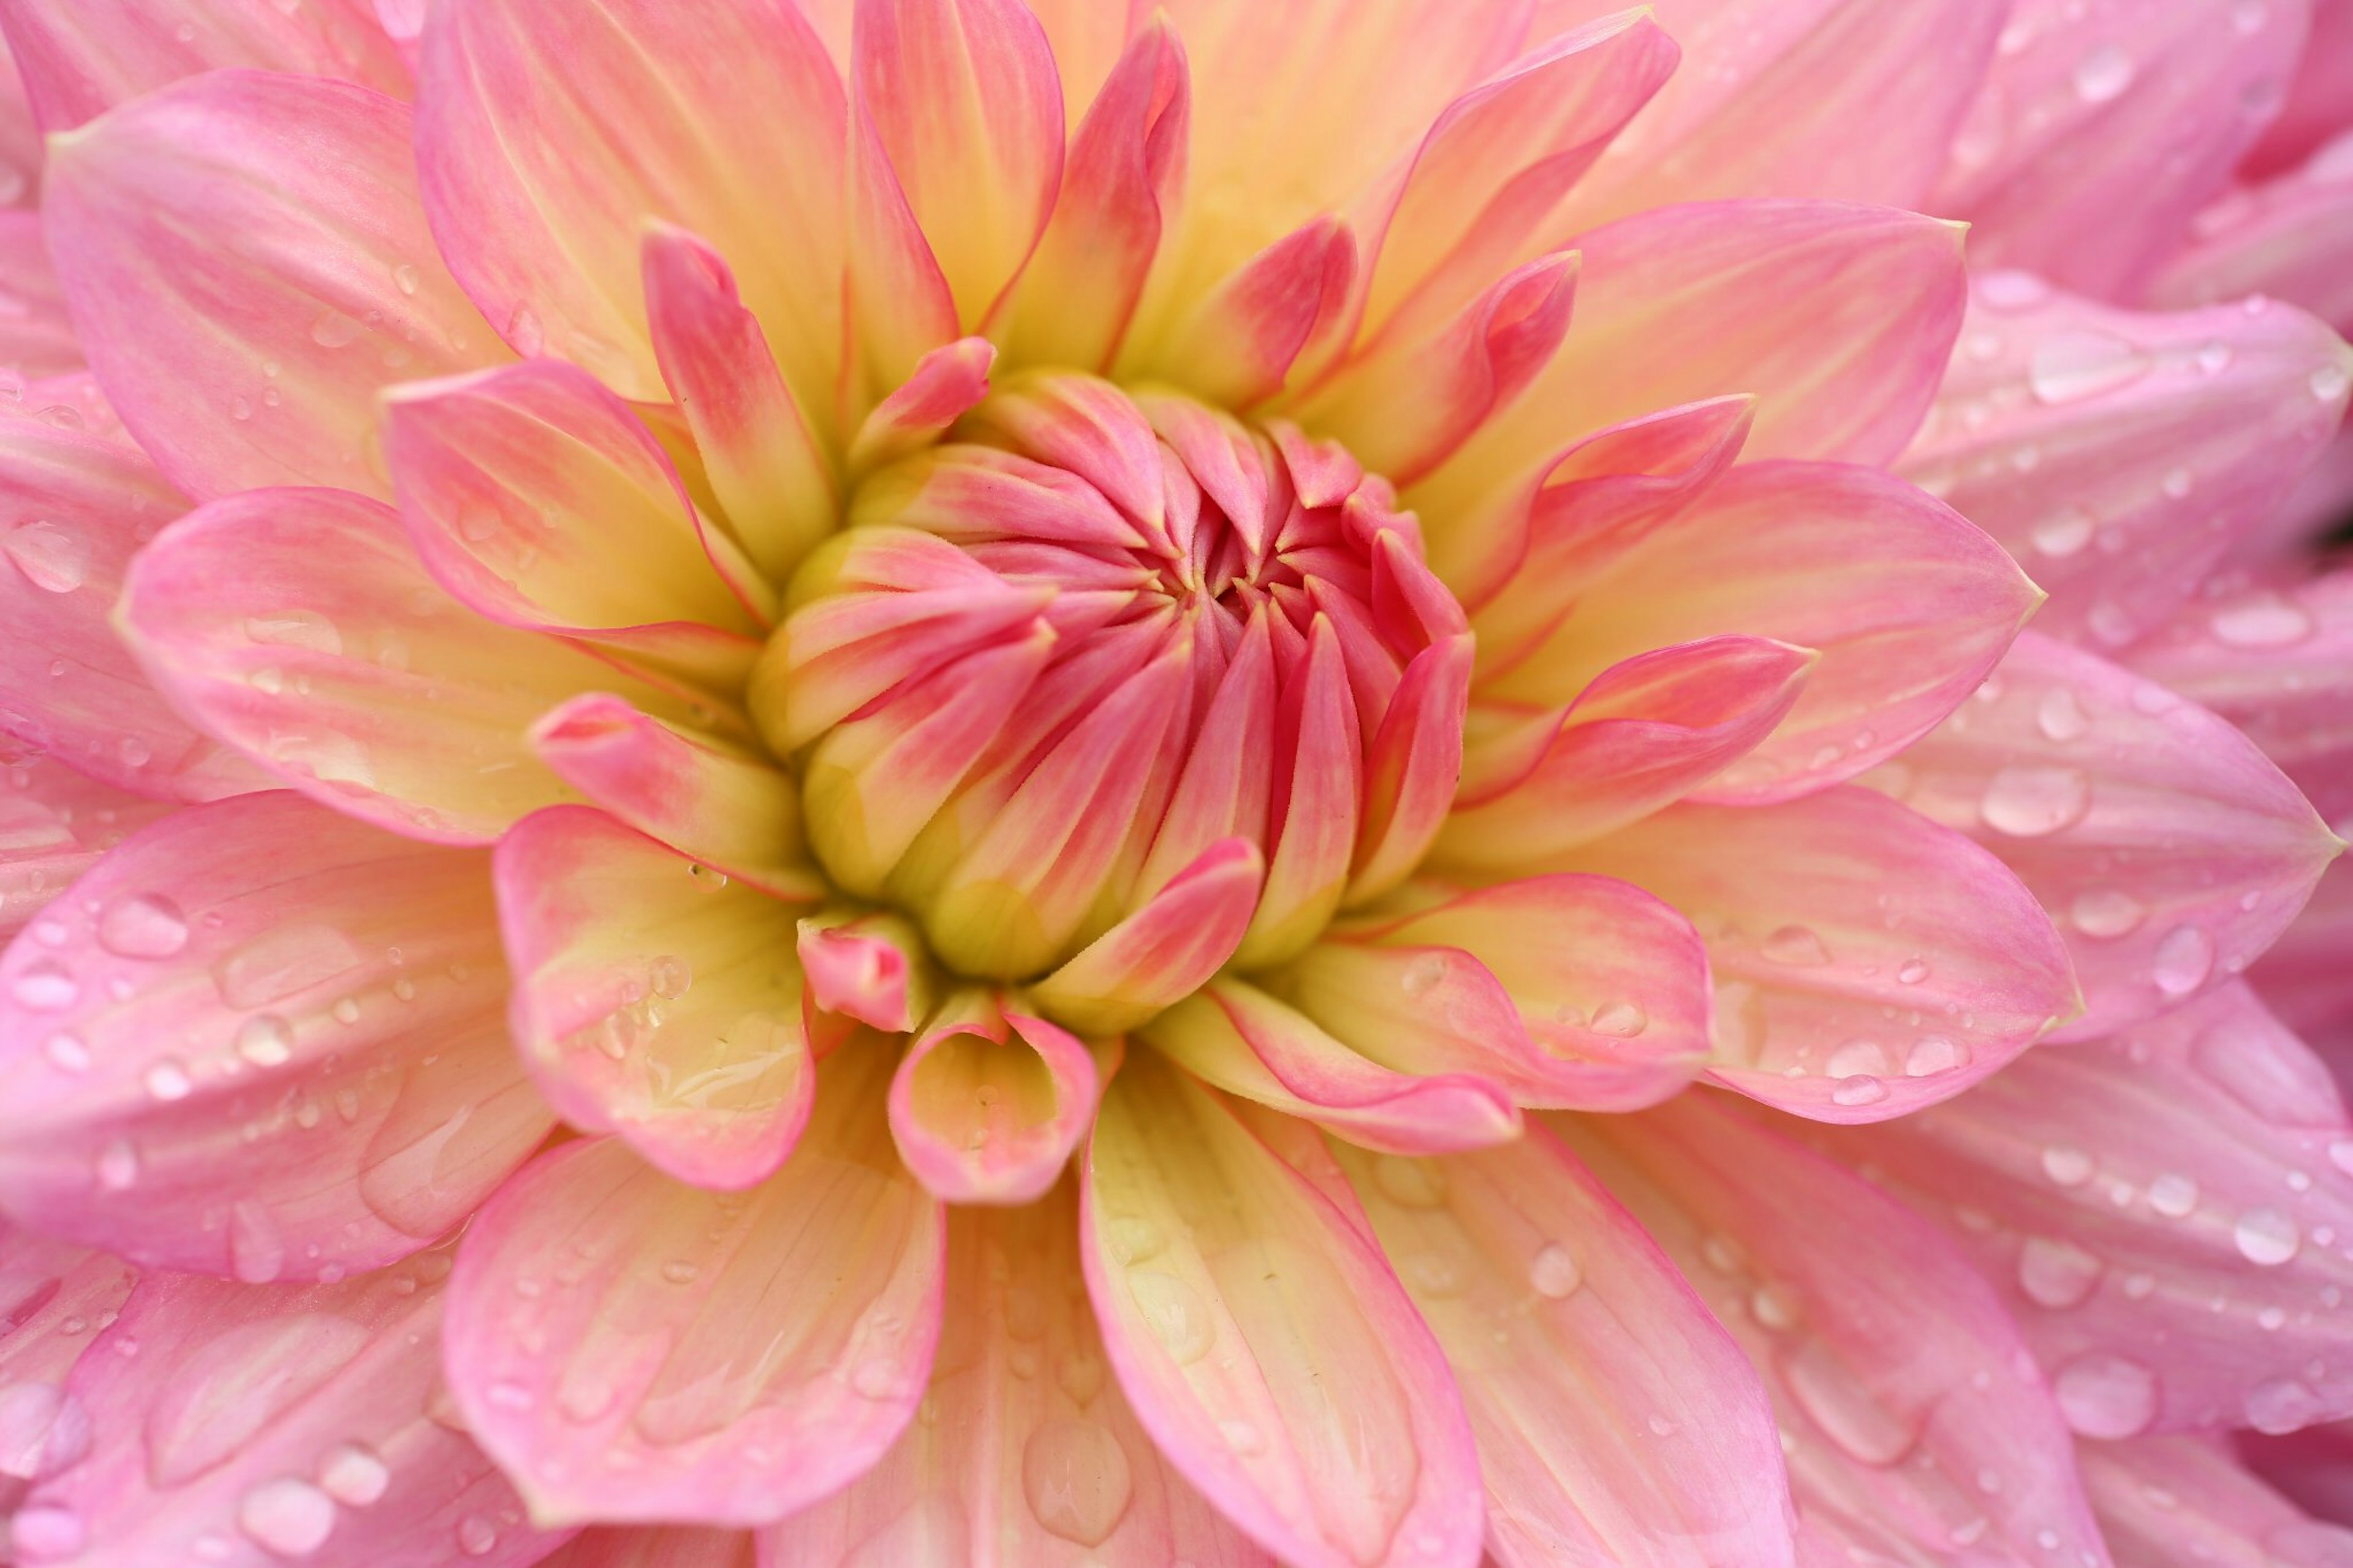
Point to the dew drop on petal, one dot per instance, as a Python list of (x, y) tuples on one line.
[(1075, 1478), (2266, 1237), (266, 1040), (2056, 1274), (1175, 1313), (45, 987), (1552, 1273), (286, 1516), (1797, 946), (2106, 912), (2264, 620), (2066, 1165), (2105, 1395), (2183, 959), (2068, 367), (2173, 1195), (2029, 801), (147, 926), (2103, 74), (352, 1475), (53, 557), (2282, 1405), (168, 1080)]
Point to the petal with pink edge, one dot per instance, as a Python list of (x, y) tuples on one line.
[(2162, 1208), (1908, 605), (2172, 851), (69, 687), (36, 337), (260, 1040), (1612, 1413), (2287, 238), (1264, 1342), (248, 264), (1238, 343), (545, 137), (297, 627), (54, 825), (1010, 1468), (726, 1358), (2095, 138), (1913, 1420), (1866, 960), (246, 1427), (1164, 952), (654, 999), (1568, 991), (2173, 1502), (2119, 454), (1251, 1044), (79, 59), (988, 1104), (1765, 297)]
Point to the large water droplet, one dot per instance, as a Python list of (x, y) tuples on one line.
[(266, 1040), (46, 1532), (2282, 1405), (2063, 534), (2105, 913), (168, 1080), (45, 986), (2105, 1395), (1075, 1477), (1552, 1273), (1797, 946), (2103, 74), (282, 961), (148, 926), (1178, 1316), (2060, 716), (2172, 1196), (54, 557), (2183, 959), (291, 1518), (2028, 801), (352, 1475), (2260, 620), (2056, 1274), (334, 330), (2266, 1237), (1845, 1409)]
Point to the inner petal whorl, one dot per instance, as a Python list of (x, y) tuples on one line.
[(1059, 658)]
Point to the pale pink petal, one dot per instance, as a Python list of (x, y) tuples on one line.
[(1612, 1413), (2290, 238), (945, 385), (1844, 99), (1641, 735), (2171, 851), (1268, 1349), (547, 134), (1074, 300), (1249, 1043), (729, 1359), (261, 1040), (2167, 1210), (988, 1104), (1239, 342), (81, 57), (1916, 1424), (248, 264), (1867, 961), (250, 1426), (54, 825), (69, 687), (1027, 1452), (775, 482), (655, 1546), (965, 103), (2119, 454), (2098, 134), (652, 998), (35, 337), (297, 627), (2175, 1502), (1908, 605), (1164, 952), (2320, 100), (1764, 296), (1568, 991)]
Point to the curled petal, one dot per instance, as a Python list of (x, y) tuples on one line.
[(988, 1104), (731, 1359), (1237, 346), (946, 382), (1166, 949), (1412, 768)]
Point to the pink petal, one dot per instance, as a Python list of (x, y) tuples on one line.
[(1237, 345), (2170, 1502), (2173, 851), (544, 138), (2118, 454), (898, 302), (774, 479), (1164, 952), (654, 1546), (297, 627), (988, 1104), (1412, 767), (1248, 1043), (79, 59), (1008, 1466), (1315, 804), (1642, 734), (722, 806), (2163, 1210), (54, 825), (2287, 238), (946, 382), (246, 1427), (1612, 1413), (55, 1294), (727, 1358), (1692, 303), (69, 687), (1327, 1425), (1913, 1420), (1568, 991), (2320, 97), (1867, 961), (1073, 302), (966, 106), (260, 1040), (36, 337), (868, 966), (247, 264), (1909, 606), (650, 999), (2095, 136)]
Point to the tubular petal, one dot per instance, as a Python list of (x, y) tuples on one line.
[(547, 133), (1908, 1404), (1617, 1421), (1326, 1424), (988, 1104), (54, 823), (1867, 961), (673, 1378), (2156, 1206), (2174, 852), (250, 1425), (652, 999), (260, 1039), (246, 264)]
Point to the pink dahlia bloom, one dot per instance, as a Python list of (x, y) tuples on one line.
[(935, 783)]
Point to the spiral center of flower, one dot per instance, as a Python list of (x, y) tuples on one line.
[(1109, 668)]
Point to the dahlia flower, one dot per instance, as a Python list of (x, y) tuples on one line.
[(945, 781)]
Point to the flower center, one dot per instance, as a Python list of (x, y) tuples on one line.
[(1099, 642)]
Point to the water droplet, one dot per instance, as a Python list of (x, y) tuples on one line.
[(65, 1052), (291, 1518), (2262, 620), (2183, 960), (1415, 1183), (2173, 1195), (1860, 1089), (524, 333), (2068, 367), (1075, 1477), (1796, 946), (2103, 74), (53, 557), (118, 1165), (296, 629), (2105, 1395), (1423, 974), (45, 987), (2214, 358), (147, 926), (1179, 1318), (2178, 483), (1243, 1437), (2060, 716), (2066, 1165), (2063, 534), (2106, 912), (2282, 1405), (1839, 1403), (257, 1249), (476, 1535), (1913, 971), (681, 1272), (2029, 801), (2331, 381), (168, 1080), (282, 961), (404, 277), (1134, 1238), (43, 1532), (2266, 1237), (1552, 1273), (2056, 1274), (1776, 1306), (334, 330), (1933, 1054), (266, 1040), (352, 1475), (1623, 1020)]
